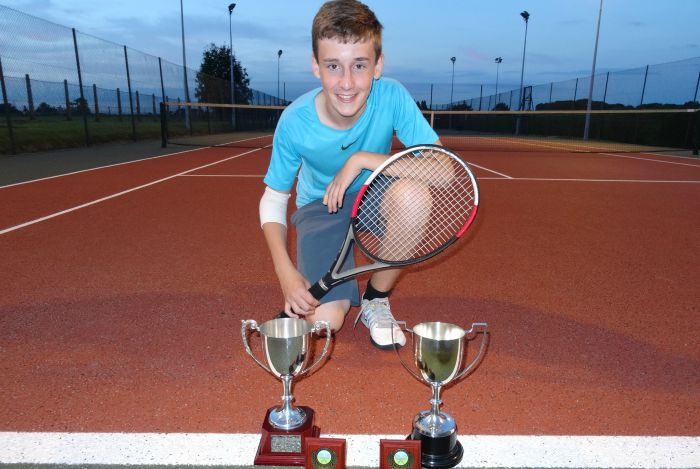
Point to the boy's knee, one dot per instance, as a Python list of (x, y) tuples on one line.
[(333, 313)]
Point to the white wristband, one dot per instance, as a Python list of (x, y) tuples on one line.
[(273, 207)]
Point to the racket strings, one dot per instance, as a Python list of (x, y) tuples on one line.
[(415, 206)]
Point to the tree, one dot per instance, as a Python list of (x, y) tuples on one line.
[(213, 84)]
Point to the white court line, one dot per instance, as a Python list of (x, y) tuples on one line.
[(208, 449), (92, 169), (483, 178), (652, 160), (126, 162), (223, 176), (489, 170), (644, 181), (661, 153), (118, 194)]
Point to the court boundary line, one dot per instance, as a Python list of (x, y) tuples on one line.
[(486, 178), (652, 160), (92, 169), (129, 162), (642, 181), (119, 194), (489, 170), (207, 449)]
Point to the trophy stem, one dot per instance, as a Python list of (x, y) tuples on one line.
[(435, 401), (287, 417), (287, 397)]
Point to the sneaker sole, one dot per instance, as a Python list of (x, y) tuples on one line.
[(384, 347)]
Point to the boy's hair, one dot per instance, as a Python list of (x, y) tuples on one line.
[(348, 21)]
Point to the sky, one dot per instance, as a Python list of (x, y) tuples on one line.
[(419, 37)]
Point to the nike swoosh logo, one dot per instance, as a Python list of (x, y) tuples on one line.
[(345, 147)]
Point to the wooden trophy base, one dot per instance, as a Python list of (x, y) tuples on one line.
[(399, 454), (325, 453), (285, 447)]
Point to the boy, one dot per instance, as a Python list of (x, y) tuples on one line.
[(334, 137)]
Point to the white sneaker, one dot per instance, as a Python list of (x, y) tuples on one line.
[(376, 315)]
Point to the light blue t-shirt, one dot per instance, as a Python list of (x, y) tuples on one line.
[(317, 152)]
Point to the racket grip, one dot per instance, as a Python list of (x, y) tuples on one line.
[(317, 291)]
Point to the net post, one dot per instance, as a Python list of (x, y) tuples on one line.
[(163, 126)]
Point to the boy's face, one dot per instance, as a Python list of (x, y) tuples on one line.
[(346, 71)]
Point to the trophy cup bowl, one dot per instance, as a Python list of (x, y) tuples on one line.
[(438, 353), (285, 346)]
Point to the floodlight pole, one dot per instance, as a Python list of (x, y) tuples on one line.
[(498, 64), (233, 83), (526, 17), (452, 87), (279, 54), (521, 104), (587, 127), (184, 68)]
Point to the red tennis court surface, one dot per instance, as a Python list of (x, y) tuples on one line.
[(123, 291)]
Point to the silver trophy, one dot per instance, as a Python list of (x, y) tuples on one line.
[(285, 346), (439, 350)]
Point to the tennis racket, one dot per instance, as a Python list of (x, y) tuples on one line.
[(416, 204)]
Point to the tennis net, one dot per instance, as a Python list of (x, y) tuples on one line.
[(563, 131), (207, 124), (644, 130)]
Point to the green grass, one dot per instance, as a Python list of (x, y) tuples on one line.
[(55, 132)]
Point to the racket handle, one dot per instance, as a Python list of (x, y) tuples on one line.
[(317, 291)]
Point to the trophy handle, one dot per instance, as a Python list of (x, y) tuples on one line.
[(477, 327), (253, 326), (317, 327), (396, 349)]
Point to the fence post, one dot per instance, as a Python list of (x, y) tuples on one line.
[(431, 96), (696, 133), (131, 102), (163, 125), (573, 106), (30, 98), (695, 97), (65, 90), (481, 94), (162, 88), (138, 106), (119, 104), (605, 93), (6, 106), (154, 106), (97, 104), (644, 86), (83, 103)]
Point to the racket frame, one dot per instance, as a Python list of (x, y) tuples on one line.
[(333, 277)]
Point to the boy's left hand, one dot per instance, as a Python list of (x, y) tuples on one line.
[(335, 191)]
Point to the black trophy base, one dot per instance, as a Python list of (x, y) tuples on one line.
[(438, 452)]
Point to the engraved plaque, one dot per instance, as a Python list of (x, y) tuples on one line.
[(285, 443)]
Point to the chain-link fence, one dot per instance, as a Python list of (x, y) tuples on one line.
[(63, 88), (668, 85)]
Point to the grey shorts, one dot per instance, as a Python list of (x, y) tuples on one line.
[(319, 237)]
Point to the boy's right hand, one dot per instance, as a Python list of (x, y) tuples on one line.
[(297, 299)]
